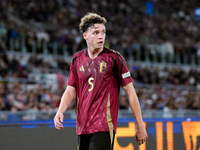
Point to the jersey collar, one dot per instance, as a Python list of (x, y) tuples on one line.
[(86, 51)]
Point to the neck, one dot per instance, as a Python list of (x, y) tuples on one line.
[(94, 53)]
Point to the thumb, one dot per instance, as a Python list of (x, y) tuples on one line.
[(61, 118)]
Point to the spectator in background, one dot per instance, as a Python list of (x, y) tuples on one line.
[(42, 36), (123, 102), (174, 24)]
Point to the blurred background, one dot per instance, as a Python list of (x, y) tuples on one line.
[(160, 39)]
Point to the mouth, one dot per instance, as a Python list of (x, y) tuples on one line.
[(101, 42)]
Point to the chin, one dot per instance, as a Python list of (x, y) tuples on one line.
[(100, 46)]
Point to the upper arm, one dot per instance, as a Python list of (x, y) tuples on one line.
[(71, 78), (70, 91), (121, 71), (67, 98), (129, 89)]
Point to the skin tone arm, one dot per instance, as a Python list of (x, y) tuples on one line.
[(141, 134), (66, 100)]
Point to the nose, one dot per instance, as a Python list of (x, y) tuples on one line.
[(101, 35)]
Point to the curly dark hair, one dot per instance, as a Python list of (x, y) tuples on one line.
[(90, 19)]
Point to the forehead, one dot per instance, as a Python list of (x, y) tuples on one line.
[(97, 27)]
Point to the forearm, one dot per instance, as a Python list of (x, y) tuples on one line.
[(134, 103), (66, 99), (135, 107), (141, 134), (64, 104)]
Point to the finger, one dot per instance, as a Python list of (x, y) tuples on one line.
[(59, 126), (61, 118), (57, 123), (143, 141), (140, 142), (136, 138)]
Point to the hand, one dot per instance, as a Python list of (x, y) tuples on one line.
[(58, 119), (141, 135)]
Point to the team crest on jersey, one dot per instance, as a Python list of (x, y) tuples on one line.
[(102, 67)]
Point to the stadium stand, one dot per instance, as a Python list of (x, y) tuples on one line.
[(161, 45)]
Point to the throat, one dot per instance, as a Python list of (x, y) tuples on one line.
[(93, 54)]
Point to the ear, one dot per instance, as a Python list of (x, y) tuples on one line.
[(85, 35)]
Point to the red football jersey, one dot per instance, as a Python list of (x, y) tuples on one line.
[(97, 82)]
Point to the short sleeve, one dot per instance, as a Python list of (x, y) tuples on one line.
[(71, 79), (124, 73)]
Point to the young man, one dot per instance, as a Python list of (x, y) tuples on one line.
[(96, 74)]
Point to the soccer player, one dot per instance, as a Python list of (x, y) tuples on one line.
[(96, 74)]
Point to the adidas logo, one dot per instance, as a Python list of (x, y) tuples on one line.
[(81, 68)]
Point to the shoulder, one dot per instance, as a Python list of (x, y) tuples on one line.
[(78, 54), (115, 55)]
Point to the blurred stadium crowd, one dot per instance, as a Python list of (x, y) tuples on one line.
[(159, 38)]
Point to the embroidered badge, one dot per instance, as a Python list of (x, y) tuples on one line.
[(102, 67), (127, 74)]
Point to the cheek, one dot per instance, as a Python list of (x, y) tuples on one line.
[(92, 38)]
